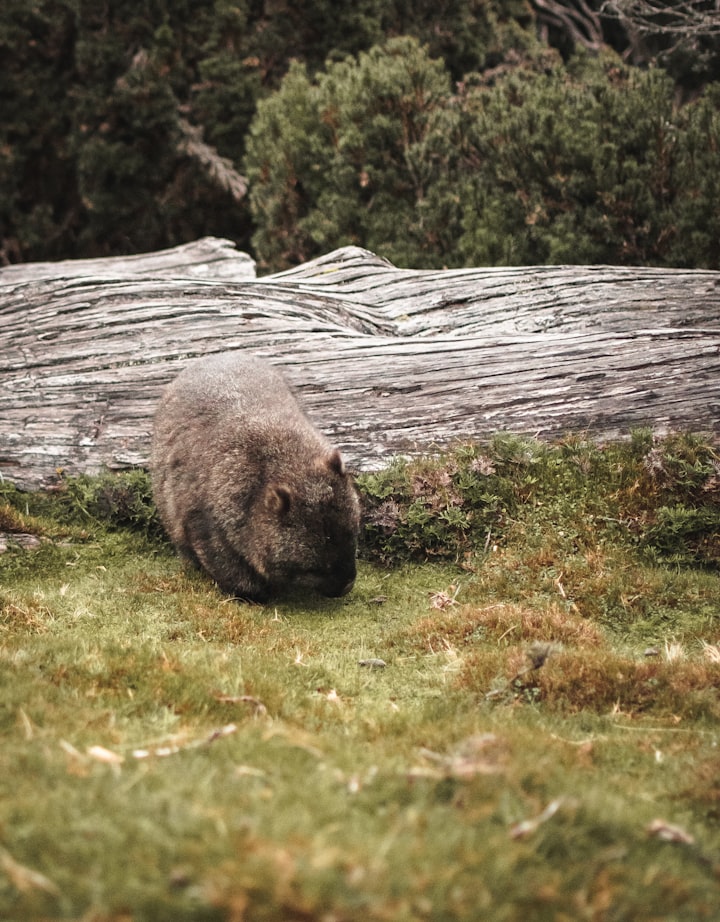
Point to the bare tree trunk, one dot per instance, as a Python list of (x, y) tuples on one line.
[(386, 360)]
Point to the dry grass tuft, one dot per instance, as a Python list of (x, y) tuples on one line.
[(24, 614), (571, 681), (510, 623), (11, 520), (712, 651)]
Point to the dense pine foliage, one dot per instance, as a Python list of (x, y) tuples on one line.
[(448, 133)]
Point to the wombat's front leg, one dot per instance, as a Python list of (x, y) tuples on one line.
[(206, 547), (243, 584)]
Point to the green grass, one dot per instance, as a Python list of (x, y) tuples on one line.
[(169, 754)]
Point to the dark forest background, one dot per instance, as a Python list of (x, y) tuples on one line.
[(433, 132)]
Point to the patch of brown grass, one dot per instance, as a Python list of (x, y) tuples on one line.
[(27, 614), (184, 580), (570, 681), (684, 689), (463, 625), (239, 624), (11, 520), (215, 617)]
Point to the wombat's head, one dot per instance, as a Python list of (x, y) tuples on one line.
[(307, 527)]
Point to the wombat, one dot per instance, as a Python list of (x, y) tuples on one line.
[(247, 488)]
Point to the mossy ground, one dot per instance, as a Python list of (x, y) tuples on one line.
[(541, 743)]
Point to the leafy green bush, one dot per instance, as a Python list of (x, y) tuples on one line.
[(443, 507), (590, 164), (121, 500), (679, 490), (111, 500), (358, 156), (684, 533), (92, 97), (695, 233)]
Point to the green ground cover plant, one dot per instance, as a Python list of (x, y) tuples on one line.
[(514, 715)]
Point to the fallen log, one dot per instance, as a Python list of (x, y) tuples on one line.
[(387, 361)]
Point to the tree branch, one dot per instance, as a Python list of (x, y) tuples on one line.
[(219, 169)]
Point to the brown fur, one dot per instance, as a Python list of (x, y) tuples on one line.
[(247, 487)]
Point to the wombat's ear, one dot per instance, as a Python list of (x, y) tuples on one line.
[(278, 499), (335, 462)]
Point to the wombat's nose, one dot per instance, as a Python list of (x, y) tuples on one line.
[(347, 587), (337, 588), (340, 580)]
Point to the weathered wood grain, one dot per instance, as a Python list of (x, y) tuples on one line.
[(386, 360), (211, 258)]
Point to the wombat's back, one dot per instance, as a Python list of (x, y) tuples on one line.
[(217, 383), (246, 486)]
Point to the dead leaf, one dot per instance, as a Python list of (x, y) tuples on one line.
[(442, 600), (481, 754), (258, 706), (101, 754), (666, 832), (23, 878), (163, 751), (526, 827)]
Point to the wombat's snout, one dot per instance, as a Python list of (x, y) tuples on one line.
[(341, 584)]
